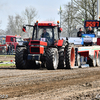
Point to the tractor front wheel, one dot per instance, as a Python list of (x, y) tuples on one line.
[(52, 59), (19, 58)]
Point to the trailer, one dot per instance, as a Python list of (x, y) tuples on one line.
[(87, 47)]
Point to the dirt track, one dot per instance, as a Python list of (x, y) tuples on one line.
[(53, 85), (42, 84)]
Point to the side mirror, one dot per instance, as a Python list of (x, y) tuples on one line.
[(59, 29), (24, 29)]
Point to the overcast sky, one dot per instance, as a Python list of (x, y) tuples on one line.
[(47, 9)]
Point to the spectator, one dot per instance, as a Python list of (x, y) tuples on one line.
[(11, 48), (90, 31), (8, 49), (80, 32)]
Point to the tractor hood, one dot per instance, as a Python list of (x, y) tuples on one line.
[(37, 47), (37, 42)]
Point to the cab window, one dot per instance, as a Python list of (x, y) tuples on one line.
[(11, 39)]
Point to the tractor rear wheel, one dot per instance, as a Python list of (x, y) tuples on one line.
[(52, 59), (98, 60), (69, 56), (79, 60), (92, 62), (61, 58)]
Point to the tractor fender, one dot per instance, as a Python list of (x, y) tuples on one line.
[(61, 43)]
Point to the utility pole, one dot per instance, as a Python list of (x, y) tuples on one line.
[(85, 9), (60, 12), (98, 9)]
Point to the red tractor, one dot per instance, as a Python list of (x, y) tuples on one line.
[(48, 50)]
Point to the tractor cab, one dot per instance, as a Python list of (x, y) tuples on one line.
[(45, 31), (45, 34)]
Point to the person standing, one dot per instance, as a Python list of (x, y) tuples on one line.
[(11, 48), (80, 32), (8, 49), (90, 31)]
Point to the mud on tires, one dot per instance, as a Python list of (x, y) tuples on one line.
[(69, 56), (52, 59)]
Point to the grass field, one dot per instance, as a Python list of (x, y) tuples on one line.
[(7, 65), (7, 55), (7, 58)]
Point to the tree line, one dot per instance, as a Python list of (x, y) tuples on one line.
[(76, 12), (15, 23), (71, 17)]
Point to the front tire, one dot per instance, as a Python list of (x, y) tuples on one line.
[(19, 58), (52, 59)]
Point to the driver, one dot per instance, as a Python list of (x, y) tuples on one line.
[(45, 34)]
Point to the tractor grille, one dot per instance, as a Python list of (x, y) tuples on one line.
[(35, 49)]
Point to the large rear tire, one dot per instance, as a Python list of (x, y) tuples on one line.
[(61, 58), (69, 56), (52, 59), (98, 60), (92, 62), (79, 60)]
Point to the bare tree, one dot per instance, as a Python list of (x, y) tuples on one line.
[(11, 25), (14, 25), (69, 17), (2, 32), (18, 24), (88, 8), (30, 14), (76, 11)]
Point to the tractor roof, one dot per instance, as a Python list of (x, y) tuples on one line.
[(47, 23)]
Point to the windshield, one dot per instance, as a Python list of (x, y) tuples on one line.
[(19, 39), (43, 33), (46, 32), (2, 41)]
